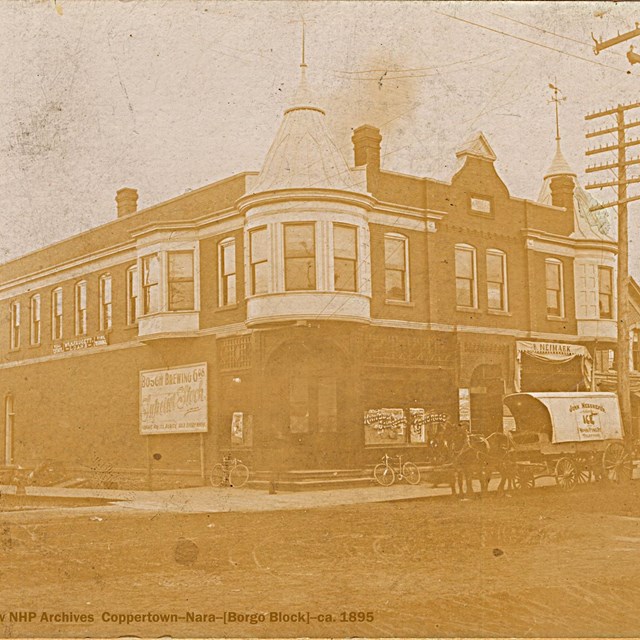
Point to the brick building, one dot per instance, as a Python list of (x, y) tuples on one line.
[(317, 313)]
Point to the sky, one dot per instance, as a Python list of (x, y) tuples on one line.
[(168, 96)]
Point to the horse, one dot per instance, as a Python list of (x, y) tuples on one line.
[(478, 457)]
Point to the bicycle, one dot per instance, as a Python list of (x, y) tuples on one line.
[(385, 474), (230, 473)]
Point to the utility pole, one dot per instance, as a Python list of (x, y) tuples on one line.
[(621, 182)]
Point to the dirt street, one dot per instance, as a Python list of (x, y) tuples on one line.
[(537, 564)]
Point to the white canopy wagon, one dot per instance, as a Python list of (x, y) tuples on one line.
[(574, 437)]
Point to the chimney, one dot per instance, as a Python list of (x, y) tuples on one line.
[(562, 187), (366, 146), (127, 201)]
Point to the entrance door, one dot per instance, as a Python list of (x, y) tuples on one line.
[(487, 389), (9, 418)]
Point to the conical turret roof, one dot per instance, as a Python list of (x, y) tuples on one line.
[(303, 154), (559, 165)]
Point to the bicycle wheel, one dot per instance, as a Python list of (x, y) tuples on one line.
[(411, 473), (217, 475), (239, 475), (384, 474)]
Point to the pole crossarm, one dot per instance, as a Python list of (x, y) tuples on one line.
[(601, 132), (612, 147), (613, 183), (600, 45), (615, 203), (611, 110), (611, 165)]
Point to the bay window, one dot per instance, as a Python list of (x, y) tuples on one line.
[(605, 292), (345, 257), (259, 259), (299, 257), (150, 284), (180, 282)]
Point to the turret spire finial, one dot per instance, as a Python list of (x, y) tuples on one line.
[(557, 100)]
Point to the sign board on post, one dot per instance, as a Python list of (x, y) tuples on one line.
[(174, 400)]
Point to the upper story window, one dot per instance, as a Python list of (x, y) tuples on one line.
[(554, 278), (345, 257), (34, 332), (227, 284), (150, 284), (106, 307), (132, 295), (56, 314), (605, 292), (396, 272), (180, 282), (635, 350), (259, 258), (81, 308), (466, 276), (496, 280), (15, 325), (299, 257), (478, 204)]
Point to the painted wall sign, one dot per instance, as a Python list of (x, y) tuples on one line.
[(174, 400), (76, 344)]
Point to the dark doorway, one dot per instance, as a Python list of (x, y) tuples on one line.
[(487, 391)]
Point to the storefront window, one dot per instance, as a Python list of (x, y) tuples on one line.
[(227, 271), (605, 292), (554, 288), (496, 280), (465, 264), (299, 257), (259, 249), (132, 295), (105, 303), (15, 325), (181, 285), (345, 257), (81, 308), (396, 274), (56, 314), (35, 320), (150, 284)]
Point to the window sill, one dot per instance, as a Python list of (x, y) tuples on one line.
[(35, 345), (468, 309), (482, 214), (400, 303), (496, 312), (228, 307), (557, 318)]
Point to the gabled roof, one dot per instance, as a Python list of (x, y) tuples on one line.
[(303, 154), (477, 146)]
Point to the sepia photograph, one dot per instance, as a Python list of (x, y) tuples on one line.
[(319, 319)]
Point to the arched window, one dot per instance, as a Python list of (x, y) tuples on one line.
[(396, 267), (9, 420), (132, 295), (34, 320), (497, 280), (81, 308), (56, 314), (15, 324), (466, 276), (106, 307)]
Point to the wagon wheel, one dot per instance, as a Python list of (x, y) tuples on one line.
[(584, 471), (616, 463), (566, 474), (524, 478)]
